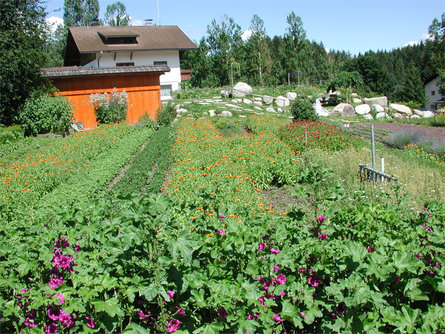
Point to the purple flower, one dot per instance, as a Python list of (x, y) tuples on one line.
[(180, 311), (261, 300), (281, 279), (276, 268), (313, 280), (51, 328), (62, 243), (428, 228), (283, 293), (29, 323), (61, 297), (370, 249), (77, 249), (334, 316), (277, 318), (53, 314), (55, 282), (222, 313), (396, 278), (303, 315), (221, 232), (275, 251), (140, 314), (261, 246), (322, 236), (173, 325), (321, 218), (222, 216), (90, 322), (171, 294), (65, 319)]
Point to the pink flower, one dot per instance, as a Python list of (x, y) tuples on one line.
[(62, 243), (29, 323), (370, 249), (313, 280), (77, 249), (171, 294), (173, 326), (275, 251), (261, 300), (277, 318), (222, 216), (222, 313), (90, 322), (283, 293), (180, 311), (303, 315), (321, 218), (61, 297), (261, 246), (53, 314), (276, 268), (322, 236), (65, 319), (51, 328), (281, 279), (221, 232), (23, 290), (141, 315), (55, 282)]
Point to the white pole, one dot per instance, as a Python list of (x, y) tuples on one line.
[(382, 163), (159, 16)]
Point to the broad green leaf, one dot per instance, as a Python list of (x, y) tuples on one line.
[(149, 292), (405, 261), (183, 246), (109, 306), (134, 328), (245, 325)]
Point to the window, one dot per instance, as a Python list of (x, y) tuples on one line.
[(433, 92), (160, 62), (122, 37), (124, 64), (166, 90)]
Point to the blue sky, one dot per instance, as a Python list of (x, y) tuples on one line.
[(349, 25)]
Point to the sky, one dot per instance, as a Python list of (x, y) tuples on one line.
[(354, 26)]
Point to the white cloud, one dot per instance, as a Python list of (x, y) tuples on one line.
[(246, 35), (422, 39), (53, 22)]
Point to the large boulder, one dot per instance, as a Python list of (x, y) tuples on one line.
[(418, 112), (428, 114), (381, 115), (381, 100), (270, 109), (345, 109), (378, 108), (225, 113), (291, 95), (363, 109), (267, 99), (319, 110), (282, 101), (401, 108), (241, 89), (356, 100), (368, 116)]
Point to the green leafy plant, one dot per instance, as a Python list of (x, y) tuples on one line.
[(302, 109), (110, 108), (147, 122), (46, 114), (166, 115)]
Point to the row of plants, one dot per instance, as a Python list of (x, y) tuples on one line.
[(148, 165), (30, 176), (213, 255)]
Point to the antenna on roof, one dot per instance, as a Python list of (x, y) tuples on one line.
[(159, 16)]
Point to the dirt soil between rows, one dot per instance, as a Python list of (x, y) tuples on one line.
[(435, 133)]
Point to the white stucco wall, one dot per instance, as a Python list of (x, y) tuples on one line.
[(172, 78), (430, 87)]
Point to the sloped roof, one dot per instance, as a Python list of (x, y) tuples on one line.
[(73, 71), (88, 39)]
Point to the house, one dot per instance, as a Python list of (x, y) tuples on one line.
[(434, 99), (99, 46), (141, 83), (143, 61)]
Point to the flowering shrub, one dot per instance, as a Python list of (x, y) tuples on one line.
[(110, 108), (319, 135)]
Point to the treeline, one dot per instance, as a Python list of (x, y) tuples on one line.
[(222, 57)]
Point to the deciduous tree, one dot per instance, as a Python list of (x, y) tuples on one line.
[(22, 39), (116, 15), (81, 13)]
